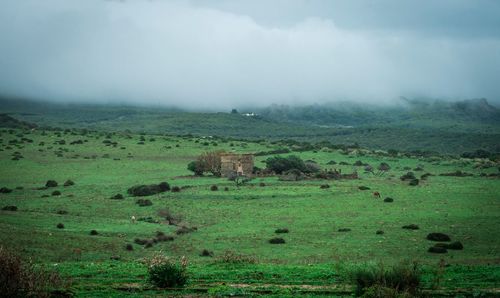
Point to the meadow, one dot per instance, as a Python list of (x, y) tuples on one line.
[(236, 224)]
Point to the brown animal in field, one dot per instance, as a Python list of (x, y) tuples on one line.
[(376, 194), (77, 253)]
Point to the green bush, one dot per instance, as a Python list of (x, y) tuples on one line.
[(400, 280), (164, 272), (279, 164)]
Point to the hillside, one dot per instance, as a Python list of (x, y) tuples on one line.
[(423, 125)]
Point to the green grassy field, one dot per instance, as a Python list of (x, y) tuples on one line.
[(315, 260)]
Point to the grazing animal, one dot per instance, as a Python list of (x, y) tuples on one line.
[(376, 194), (78, 253), (133, 219)]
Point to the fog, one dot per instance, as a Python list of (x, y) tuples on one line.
[(224, 54)]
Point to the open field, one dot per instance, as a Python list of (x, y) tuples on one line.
[(242, 219)]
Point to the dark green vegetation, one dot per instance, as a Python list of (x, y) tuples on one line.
[(231, 236), (424, 125)]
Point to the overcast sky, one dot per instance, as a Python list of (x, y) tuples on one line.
[(230, 53)]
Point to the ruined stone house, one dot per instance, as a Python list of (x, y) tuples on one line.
[(239, 164)]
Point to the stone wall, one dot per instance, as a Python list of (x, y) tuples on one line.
[(229, 164)]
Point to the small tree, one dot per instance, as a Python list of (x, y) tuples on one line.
[(211, 162), (280, 164), (383, 168)]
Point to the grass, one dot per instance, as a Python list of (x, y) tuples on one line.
[(242, 219)]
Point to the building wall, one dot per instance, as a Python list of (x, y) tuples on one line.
[(229, 164)]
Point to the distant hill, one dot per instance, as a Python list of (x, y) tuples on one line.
[(7, 121), (419, 124)]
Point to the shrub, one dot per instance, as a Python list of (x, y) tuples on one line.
[(279, 164), (129, 247), (206, 253), (62, 212), (344, 230), (196, 167), (69, 183), (324, 186), (457, 245), (262, 184), (437, 250), (51, 183), (19, 278), (117, 197), (438, 237), (411, 227), (140, 241), (379, 232), (169, 217), (281, 231), (60, 226), (388, 200), (56, 193), (10, 208), (362, 187), (230, 257), (5, 190), (277, 241), (94, 232), (164, 272), (414, 182), (176, 189), (226, 188), (148, 190), (402, 278), (214, 188), (144, 202), (407, 176)]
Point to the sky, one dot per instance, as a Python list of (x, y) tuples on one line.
[(231, 53)]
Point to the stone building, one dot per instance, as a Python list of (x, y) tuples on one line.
[(240, 164)]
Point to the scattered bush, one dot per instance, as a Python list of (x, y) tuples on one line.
[(117, 197), (281, 231), (226, 188), (388, 200), (457, 245), (230, 257), (438, 237), (401, 279), (169, 217), (161, 237), (129, 247), (279, 164), (411, 227), (94, 233), (277, 240), (51, 183), (437, 250), (206, 253), (408, 176), (10, 208), (144, 202), (56, 193), (163, 272), (379, 232), (324, 186), (363, 187), (69, 183), (19, 278), (262, 184), (62, 212), (5, 190), (414, 182), (60, 226), (425, 176), (214, 188), (176, 189), (344, 230), (148, 190), (140, 241)]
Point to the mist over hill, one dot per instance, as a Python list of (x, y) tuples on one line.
[(416, 124)]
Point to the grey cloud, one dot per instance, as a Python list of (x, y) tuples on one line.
[(223, 54)]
